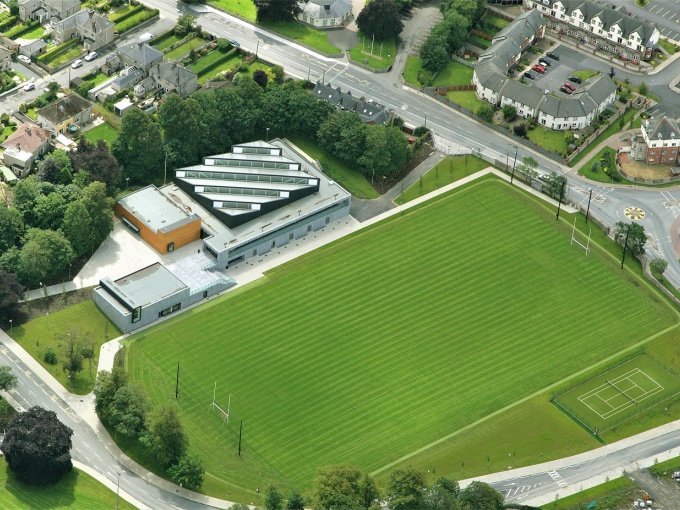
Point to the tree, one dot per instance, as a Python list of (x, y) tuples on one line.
[(481, 496), (44, 255), (554, 185), (13, 7), (295, 502), (273, 500), (187, 21), (8, 380), (343, 488), (105, 388), (454, 28), (56, 168), (344, 135), (443, 495), (277, 73), (37, 447), (276, 10), (405, 489), (520, 129), (181, 121), (433, 53), (612, 73), (658, 266), (643, 89), (10, 293), (380, 19), (52, 88), (11, 227), (128, 410), (98, 162), (139, 147), (77, 227), (509, 112), (528, 166), (637, 238), (26, 192), (100, 208), (470, 9), (260, 77), (165, 435), (49, 211), (188, 472), (48, 170), (74, 342), (387, 151), (485, 111)]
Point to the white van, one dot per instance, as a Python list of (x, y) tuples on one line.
[(146, 37)]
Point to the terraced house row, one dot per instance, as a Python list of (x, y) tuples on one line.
[(600, 26), (495, 86)]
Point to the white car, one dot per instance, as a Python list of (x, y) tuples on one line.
[(78, 63), (24, 59), (91, 56), (29, 86)]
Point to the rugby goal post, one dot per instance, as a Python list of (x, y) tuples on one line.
[(574, 240), (214, 405)]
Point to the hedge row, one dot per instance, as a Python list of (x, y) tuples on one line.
[(120, 16), (217, 62), (166, 35), (54, 52), (132, 22), (20, 30), (4, 15), (8, 23)]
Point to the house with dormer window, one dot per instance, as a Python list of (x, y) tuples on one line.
[(658, 142)]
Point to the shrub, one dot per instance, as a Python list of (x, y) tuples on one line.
[(509, 112), (420, 131), (223, 44), (485, 111), (425, 77), (277, 73), (520, 129), (50, 357), (8, 23)]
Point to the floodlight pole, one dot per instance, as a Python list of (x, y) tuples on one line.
[(625, 245), (514, 162), (588, 210), (240, 433), (559, 203), (177, 383)]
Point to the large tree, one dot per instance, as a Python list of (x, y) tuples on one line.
[(188, 472), (56, 168), (387, 151), (37, 447), (74, 344), (380, 19), (405, 489), (555, 185), (100, 208), (139, 147), (481, 496), (8, 380), (77, 227), (343, 134), (343, 488), (636, 236), (276, 10), (165, 435), (105, 388), (44, 255), (433, 53), (26, 192), (455, 28), (128, 410), (182, 121), (49, 210), (97, 161), (10, 293), (11, 227)]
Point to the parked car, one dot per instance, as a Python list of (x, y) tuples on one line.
[(543, 177), (575, 79), (565, 90), (78, 63), (529, 75), (146, 37), (234, 43), (30, 85), (24, 59), (91, 56), (552, 55), (569, 86), (538, 69), (544, 61)]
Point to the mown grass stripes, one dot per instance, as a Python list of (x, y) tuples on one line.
[(387, 340)]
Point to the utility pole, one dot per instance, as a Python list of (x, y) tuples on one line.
[(559, 203), (240, 434), (514, 162), (177, 383), (625, 245), (590, 197)]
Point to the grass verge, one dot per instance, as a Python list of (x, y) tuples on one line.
[(317, 39), (548, 139), (384, 53), (608, 495), (465, 98)]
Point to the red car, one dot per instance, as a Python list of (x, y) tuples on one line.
[(569, 86), (565, 90), (538, 69)]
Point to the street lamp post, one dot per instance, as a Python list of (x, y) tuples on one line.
[(514, 162), (69, 272), (127, 183), (267, 134), (118, 489), (10, 327)]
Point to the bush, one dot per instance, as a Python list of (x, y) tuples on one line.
[(223, 44), (50, 357), (277, 72), (8, 23), (520, 129), (420, 131), (425, 77), (509, 112), (485, 111)]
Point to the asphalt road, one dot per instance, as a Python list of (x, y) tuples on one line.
[(416, 109), (665, 13)]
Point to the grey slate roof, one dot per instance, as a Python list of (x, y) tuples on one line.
[(527, 95), (141, 53), (64, 108), (599, 88), (4, 53), (522, 27), (609, 17), (62, 5), (664, 128), (367, 110), (172, 73), (325, 9), (84, 18)]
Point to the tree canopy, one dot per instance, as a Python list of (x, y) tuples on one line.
[(8, 380), (637, 238), (10, 293), (343, 487), (165, 435), (405, 489), (139, 147), (37, 447), (276, 10), (380, 19), (98, 162)]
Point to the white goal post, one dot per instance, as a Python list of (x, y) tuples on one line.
[(225, 414), (574, 240)]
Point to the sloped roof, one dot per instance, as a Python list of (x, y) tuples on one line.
[(527, 95), (173, 73), (325, 9), (141, 53), (599, 88), (4, 53), (664, 128), (367, 110), (62, 5), (64, 109), (29, 137), (85, 19)]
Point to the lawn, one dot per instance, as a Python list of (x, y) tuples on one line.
[(34, 34), (244, 8), (411, 69), (668, 46), (362, 318), (548, 139), (183, 49), (352, 180), (103, 131), (480, 42), (68, 55), (383, 55), (611, 130), (584, 75), (167, 42), (38, 336), (445, 172), (213, 57), (608, 495), (317, 39), (454, 73), (600, 175), (465, 98), (497, 22), (75, 491)]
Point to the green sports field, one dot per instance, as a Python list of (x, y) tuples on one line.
[(620, 393), (387, 341)]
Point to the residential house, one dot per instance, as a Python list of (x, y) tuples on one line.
[(370, 112), (139, 55), (48, 10), (71, 110), (601, 26), (325, 13), (91, 29), (170, 77), (657, 142), (23, 146), (33, 48), (5, 59)]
